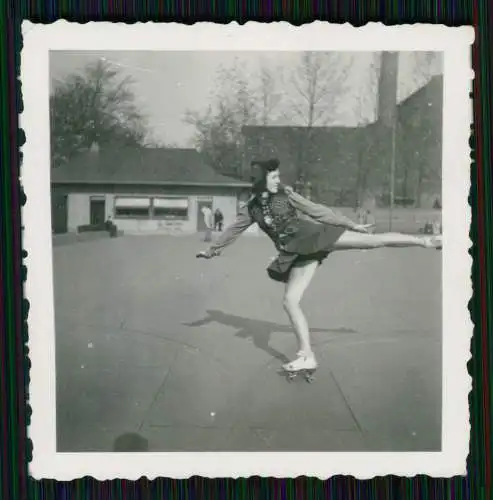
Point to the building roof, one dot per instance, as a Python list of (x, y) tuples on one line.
[(429, 91), (165, 166), (295, 130)]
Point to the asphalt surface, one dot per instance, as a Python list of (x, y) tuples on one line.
[(159, 351)]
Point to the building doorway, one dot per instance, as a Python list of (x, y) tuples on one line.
[(59, 213), (97, 212)]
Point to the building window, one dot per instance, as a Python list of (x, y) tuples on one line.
[(132, 208), (170, 208)]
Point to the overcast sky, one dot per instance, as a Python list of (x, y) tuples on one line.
[(169, 83)]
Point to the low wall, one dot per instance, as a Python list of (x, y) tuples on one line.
[(409, 221), (72, 238), (404, 220)]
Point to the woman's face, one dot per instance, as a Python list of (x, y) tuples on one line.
[(273, 180)]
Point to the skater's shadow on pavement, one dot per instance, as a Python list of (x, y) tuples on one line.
[(257, 330)]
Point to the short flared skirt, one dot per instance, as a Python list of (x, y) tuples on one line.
[(313, 242)]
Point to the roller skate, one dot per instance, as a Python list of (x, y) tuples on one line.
[(304, 364)]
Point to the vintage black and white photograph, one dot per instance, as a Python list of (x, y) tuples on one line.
[(247, 249)]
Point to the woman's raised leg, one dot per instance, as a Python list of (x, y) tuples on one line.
[(351, 240), (298, 282)]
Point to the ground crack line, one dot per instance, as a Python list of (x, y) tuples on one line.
[(158, 392)]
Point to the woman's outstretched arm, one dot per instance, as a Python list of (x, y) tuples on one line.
[(321, 213), (230, 235)]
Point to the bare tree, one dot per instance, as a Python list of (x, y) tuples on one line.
[(364, 100), (235, 93), (268, 98), (218, 130), (318, 83), (216, 138), (97, 106)]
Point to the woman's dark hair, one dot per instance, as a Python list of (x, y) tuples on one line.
[(260, 169)]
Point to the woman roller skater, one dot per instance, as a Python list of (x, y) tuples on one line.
[(304, 233)]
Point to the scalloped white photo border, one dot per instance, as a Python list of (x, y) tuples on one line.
[(455, 43)]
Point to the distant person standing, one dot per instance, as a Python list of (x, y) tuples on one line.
[(371, 221), (209, 223), (218, 220), (437, 226), (361, 215)]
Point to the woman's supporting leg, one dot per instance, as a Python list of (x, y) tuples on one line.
[(298, 282), (351, 240)]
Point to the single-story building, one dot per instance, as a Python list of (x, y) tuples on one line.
[(142, 190)]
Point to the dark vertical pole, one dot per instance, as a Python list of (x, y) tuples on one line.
[(392, 176), (387, 114)]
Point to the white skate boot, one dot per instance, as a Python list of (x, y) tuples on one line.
[(304, 363)]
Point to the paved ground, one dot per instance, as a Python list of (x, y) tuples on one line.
[(185, 352)]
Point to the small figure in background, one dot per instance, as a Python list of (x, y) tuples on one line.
[(437, 226), (218, 220), (111, 227), (361, 215), (370, 221), (209, 223)]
